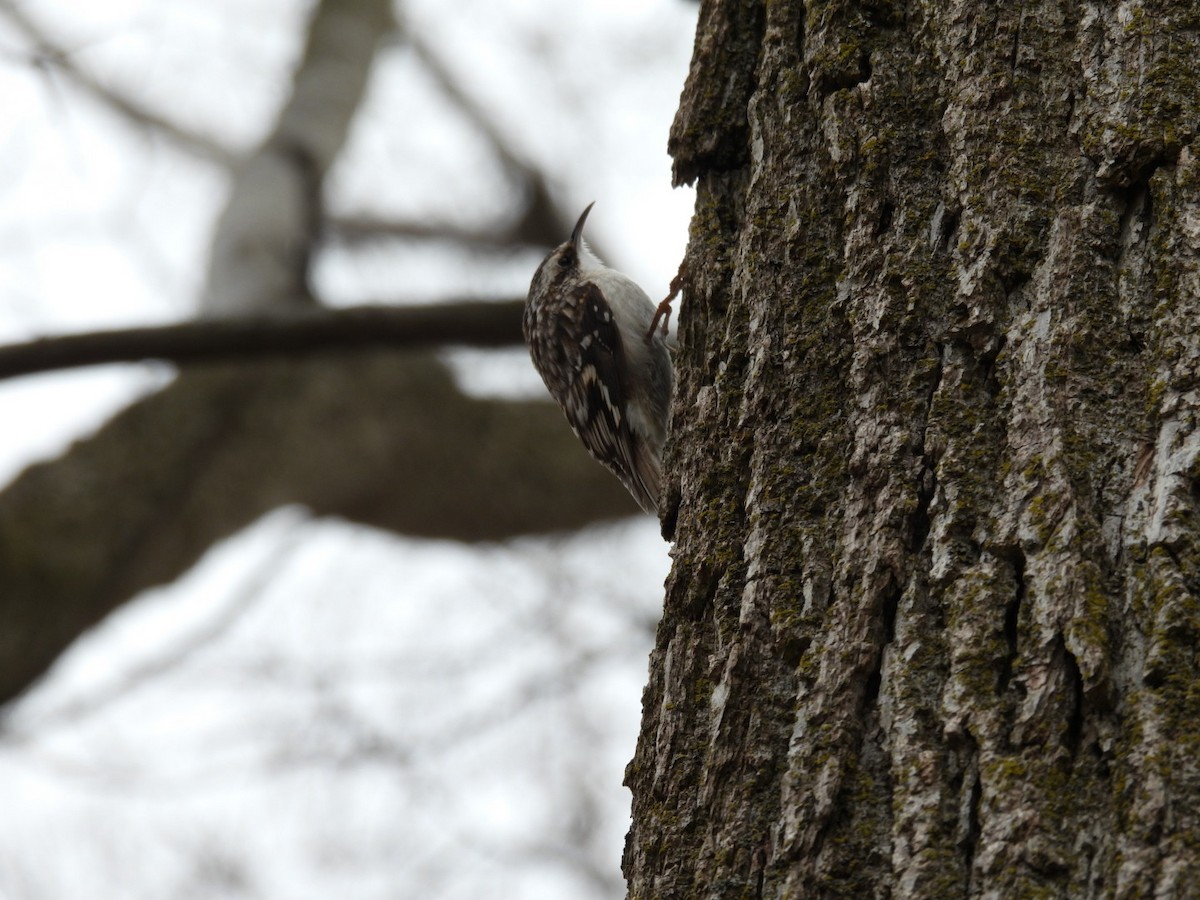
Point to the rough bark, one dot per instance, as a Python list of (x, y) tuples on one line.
[(933, 620)]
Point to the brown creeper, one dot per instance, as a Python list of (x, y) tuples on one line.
[(589, 332)]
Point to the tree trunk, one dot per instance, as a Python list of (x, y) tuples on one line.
[(263, 240), (933, 621)]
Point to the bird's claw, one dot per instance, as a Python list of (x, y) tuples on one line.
[(663, 311)]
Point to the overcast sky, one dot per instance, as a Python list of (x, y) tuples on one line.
[(318, 709)]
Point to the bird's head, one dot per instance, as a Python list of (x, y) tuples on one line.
[(566, 262)]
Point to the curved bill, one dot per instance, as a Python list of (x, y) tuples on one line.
[(578, 232)]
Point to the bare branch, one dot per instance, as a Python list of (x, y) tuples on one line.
[(470, 323), (383, 439), (48, 54), (99, 699), (364, 227), (541, 223)]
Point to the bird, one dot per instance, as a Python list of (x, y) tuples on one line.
[(592, 335)]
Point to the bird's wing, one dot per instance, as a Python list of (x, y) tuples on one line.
[(595, 397)]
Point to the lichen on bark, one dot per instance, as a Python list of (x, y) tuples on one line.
[(932, 624)]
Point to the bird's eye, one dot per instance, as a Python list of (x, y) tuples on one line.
[(566, 259)]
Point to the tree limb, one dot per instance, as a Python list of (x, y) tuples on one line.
[(383, 439), (471, 323), (361, 228)]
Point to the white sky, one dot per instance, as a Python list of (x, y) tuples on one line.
[(322, 710)]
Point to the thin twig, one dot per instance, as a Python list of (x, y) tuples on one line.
[(49, 55), (86, 704)]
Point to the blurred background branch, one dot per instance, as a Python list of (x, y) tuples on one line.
[(249, 338), (268, 166), (52, 58)]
